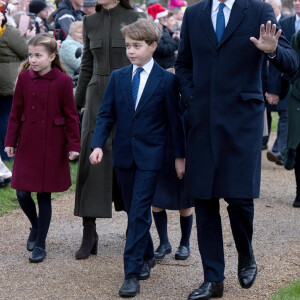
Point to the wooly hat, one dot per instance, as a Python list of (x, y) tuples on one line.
[(36, 6)]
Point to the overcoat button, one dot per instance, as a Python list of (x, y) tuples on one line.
[(133, 137), (298, 108), (33, 107), (33, 94)]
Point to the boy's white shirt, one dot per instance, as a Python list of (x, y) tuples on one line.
[(143, 78)]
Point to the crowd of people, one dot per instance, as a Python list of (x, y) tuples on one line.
[(166, 120)]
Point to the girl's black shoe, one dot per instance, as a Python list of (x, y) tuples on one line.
[(38, 255), (32, 239)]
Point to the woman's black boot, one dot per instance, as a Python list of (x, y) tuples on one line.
[(89, 243)]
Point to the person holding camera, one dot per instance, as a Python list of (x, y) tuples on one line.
[(40, 10), (13, 50), (68, 11)]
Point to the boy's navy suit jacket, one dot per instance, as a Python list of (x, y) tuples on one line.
[(141, 135)]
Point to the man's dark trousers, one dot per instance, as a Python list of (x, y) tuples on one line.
[(138, 187), (209, 231)]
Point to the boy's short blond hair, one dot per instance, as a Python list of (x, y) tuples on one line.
[(143, 30)]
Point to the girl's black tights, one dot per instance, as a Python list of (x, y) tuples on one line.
[(39, 222)]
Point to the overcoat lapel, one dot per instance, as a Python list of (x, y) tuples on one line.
[(206, 23), (125, 83), (154, 79), (237, 14)]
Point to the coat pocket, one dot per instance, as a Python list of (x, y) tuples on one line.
[(252, 96), (95, 44), (59, 121)]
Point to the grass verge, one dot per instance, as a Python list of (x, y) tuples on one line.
[(291, 292)]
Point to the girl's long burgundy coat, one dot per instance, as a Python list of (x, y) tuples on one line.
[(43, 127)]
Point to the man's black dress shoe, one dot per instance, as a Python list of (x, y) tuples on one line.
[(162, 250), (182, 253), (247, 271), (146, 268), (38, 255), (297, 201), (130, 287), (208, 290), (264, 147), (32, 239)]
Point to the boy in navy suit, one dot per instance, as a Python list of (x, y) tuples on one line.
[(142, 100)]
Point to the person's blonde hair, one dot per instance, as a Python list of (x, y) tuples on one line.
[(74, 27), (143, 30), (49, 42)]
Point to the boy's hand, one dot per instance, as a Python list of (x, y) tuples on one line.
[(180, 167), (73, 155), (10, 151), (96, 156)]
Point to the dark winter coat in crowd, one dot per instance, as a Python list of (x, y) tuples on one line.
[(13, 50), (293, 138), (164, 54), (103, 52), (64, 16), (43, 127)]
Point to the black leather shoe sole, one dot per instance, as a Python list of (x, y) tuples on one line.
[(182, 253), (249, 285), (125, 294), (37, 258), (159, 256), (296, 204)]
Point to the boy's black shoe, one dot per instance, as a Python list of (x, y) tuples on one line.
[(208, 290), (130, 287), (247, 271), (38, 255), (162, 250), (182, 253), (146, 268), (32, 239)]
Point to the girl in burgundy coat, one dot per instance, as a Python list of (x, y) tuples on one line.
[(43, 135)]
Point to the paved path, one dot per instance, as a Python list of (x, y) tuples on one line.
[(60, 276)]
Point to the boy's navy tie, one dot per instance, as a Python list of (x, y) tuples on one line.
[(135, 84), (220, 25)]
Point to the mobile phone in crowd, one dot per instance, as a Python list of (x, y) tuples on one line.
[(24, 23), (32, 21)]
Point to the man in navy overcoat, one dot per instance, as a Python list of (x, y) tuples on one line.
[(220, 82)]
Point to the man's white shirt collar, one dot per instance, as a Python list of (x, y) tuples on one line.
[(216, 3)]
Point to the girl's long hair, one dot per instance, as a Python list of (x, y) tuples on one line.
[(46, 40), (124, 3)]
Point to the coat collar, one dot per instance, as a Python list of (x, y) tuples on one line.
[(150, 87), (50, 75), (237, 14)]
